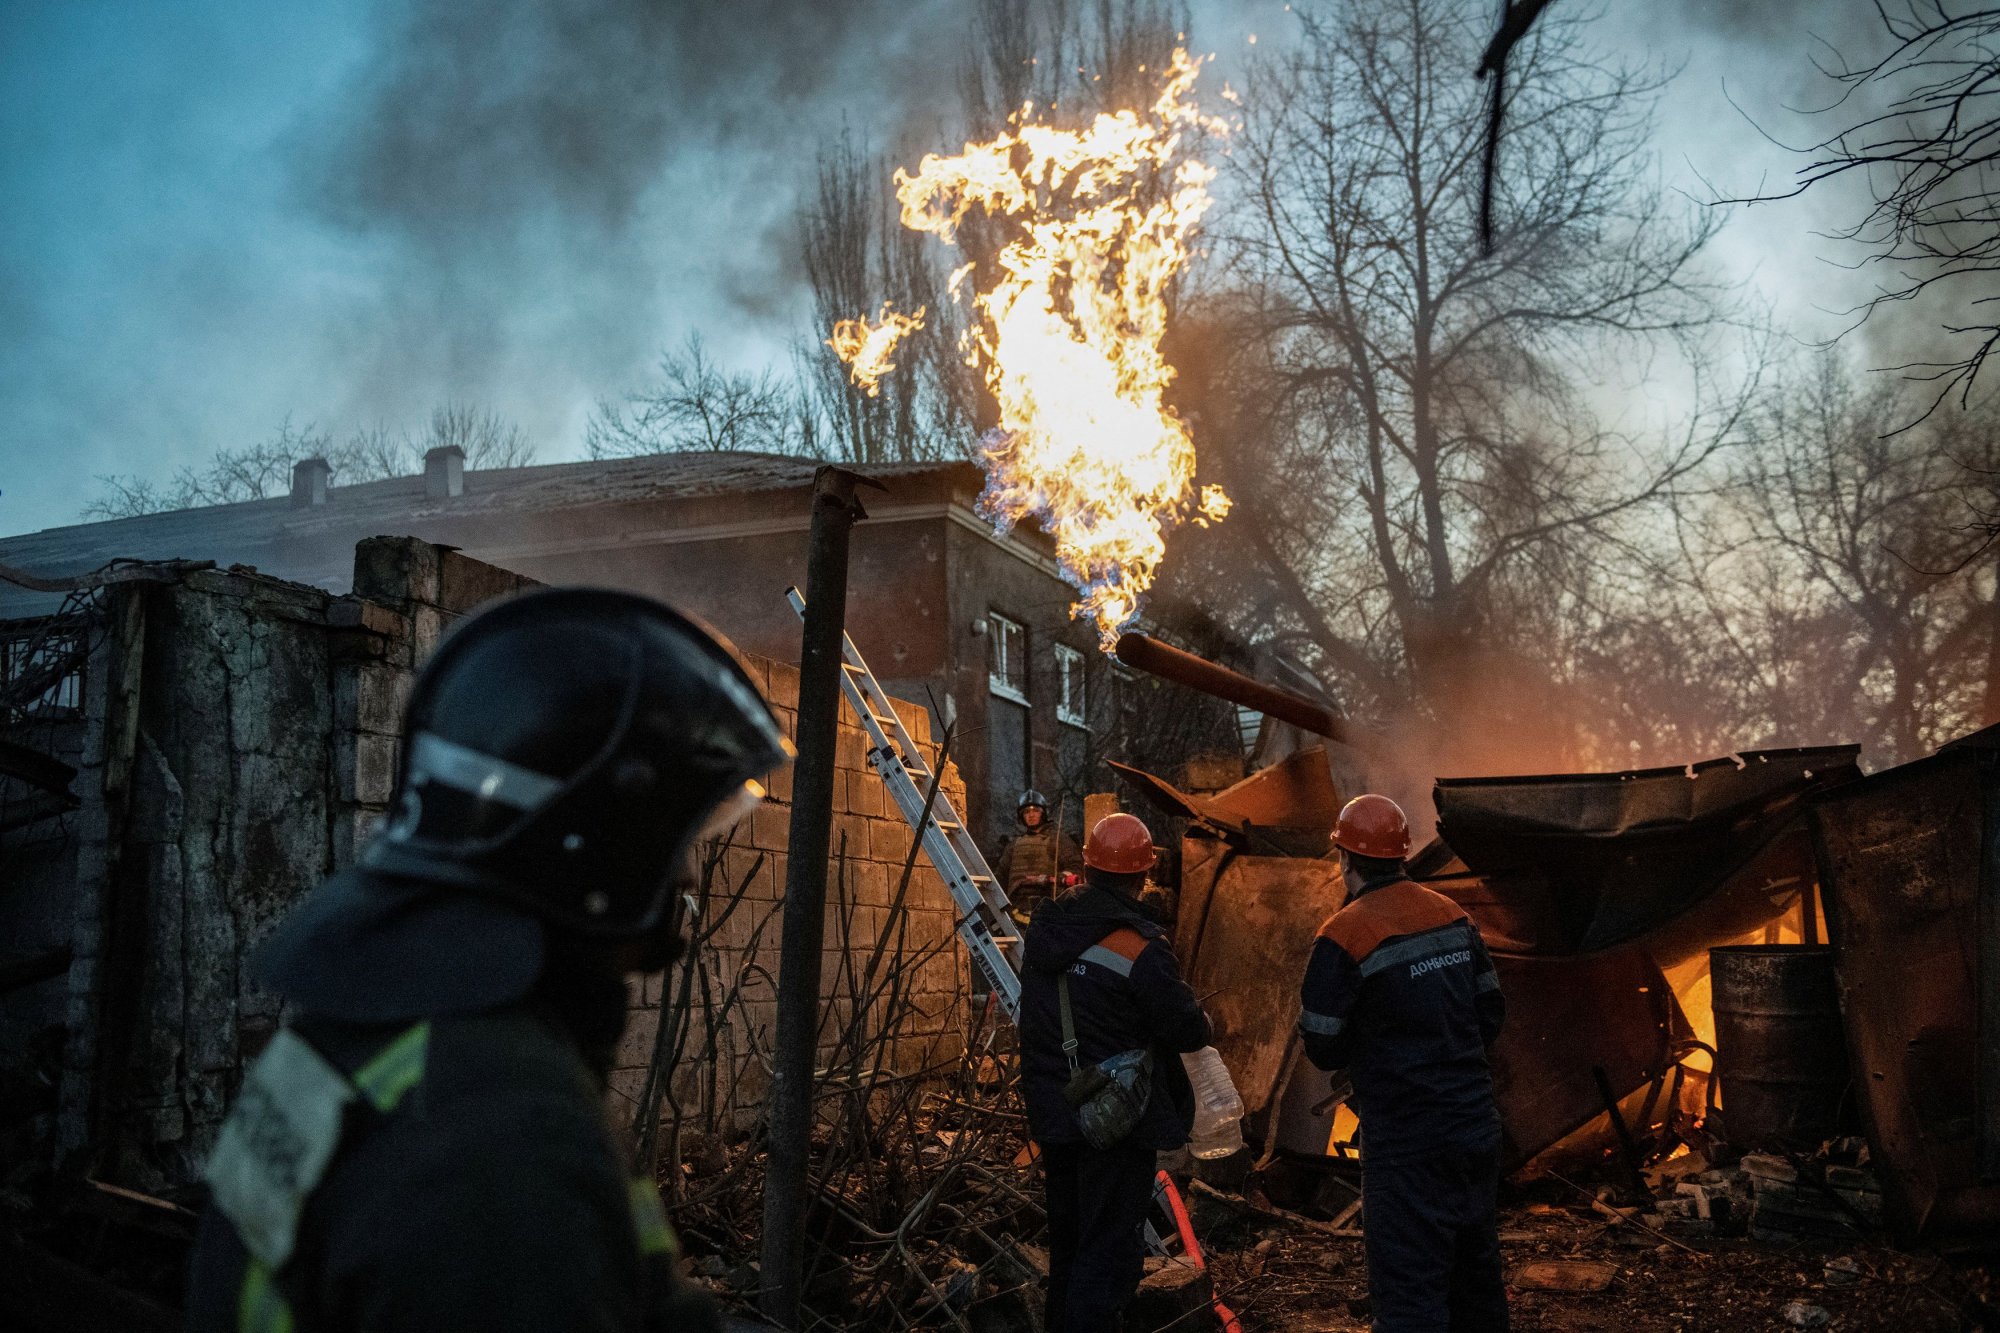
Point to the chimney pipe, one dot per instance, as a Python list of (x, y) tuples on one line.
[(444, 472), (1198, 673), (310, 478)]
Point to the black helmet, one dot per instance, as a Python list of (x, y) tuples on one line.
[(564, 749), (1034, 798)]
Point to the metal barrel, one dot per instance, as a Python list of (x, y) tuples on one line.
[(1781, 1053)]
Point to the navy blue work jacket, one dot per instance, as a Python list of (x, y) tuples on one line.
[(1400, 992), (1125, 993)]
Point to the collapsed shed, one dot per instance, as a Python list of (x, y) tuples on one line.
[(1600, 896)]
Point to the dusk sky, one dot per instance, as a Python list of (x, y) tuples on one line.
[(216, 215)]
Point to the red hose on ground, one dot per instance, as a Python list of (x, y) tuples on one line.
[(1168, 1195)]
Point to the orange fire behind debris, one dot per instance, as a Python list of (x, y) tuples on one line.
[(1100, 219), (866, 347)]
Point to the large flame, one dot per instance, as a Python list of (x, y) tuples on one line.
[(1099, 220)]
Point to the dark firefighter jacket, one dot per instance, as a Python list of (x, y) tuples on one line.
[(1400, 993), (1125, 992), (474, 1183)]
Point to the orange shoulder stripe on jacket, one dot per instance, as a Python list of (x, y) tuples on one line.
[(1126, 942), (1394, 909)]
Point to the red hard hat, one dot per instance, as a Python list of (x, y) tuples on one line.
[(1374, 826), (1121, 844)]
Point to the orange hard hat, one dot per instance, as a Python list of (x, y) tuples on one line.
[(1120, 844), (1374, 826)]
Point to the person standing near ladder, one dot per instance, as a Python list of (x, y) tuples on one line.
[(1399, 992), (1100, 991), (1034, 861)]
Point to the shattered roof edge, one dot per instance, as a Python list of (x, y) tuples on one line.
[(1849, 752)]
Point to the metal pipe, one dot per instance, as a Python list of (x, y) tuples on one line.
[(788, 1105), (1148, 654)]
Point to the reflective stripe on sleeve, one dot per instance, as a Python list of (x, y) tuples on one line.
[(649, 1219), (396, 1069), (1320, 1025), (261, 1307), (1104, 957), (1486, 981)]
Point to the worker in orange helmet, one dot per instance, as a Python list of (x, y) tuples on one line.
[(1105, 1018), (1399, 992)]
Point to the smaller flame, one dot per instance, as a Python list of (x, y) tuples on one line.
[(866, 347)]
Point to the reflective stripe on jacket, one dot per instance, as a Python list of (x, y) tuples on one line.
[(1126, 993), (1400, 992), (476, 1185)]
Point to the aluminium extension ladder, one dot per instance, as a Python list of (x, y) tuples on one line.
[(983, 921)]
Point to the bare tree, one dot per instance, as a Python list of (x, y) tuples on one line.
[(1044, 54), (696, 404), (859, 258), (1843, 575), (1424, 480), (1921, 124), (488, 439), (252, 472), (259, 471)]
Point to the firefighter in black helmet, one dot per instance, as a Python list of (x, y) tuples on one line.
[(1039, 861), (423, 1145)]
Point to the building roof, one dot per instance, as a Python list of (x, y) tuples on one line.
[(314, 543)]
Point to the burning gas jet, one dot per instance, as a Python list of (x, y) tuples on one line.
[(1068, 334)]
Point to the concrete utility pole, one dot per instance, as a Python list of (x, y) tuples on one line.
[(788, 1107)]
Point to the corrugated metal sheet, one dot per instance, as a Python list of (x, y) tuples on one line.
[(1247, 924), (1909, 860), (1580, 863)]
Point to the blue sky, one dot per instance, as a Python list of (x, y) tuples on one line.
[(193, 247)]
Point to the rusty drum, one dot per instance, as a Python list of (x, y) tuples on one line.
[(1781, 1053)]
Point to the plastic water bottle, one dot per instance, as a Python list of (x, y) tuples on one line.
[(1218, 1111)]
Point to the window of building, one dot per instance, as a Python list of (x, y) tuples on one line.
[(1128, 703), (1007, 658), (1069, 687), (42, 670)]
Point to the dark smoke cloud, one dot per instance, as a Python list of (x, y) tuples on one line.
[(557, 191)]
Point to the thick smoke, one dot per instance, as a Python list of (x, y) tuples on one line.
[(551, 193)]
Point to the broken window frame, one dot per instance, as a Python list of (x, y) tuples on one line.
[(29, 646), (1007, 658), (1072, 701)]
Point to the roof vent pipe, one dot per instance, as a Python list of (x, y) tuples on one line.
[(310, 477), (444, 472)]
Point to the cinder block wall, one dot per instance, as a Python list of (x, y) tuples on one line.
[(241, 737), (735, 972), (406, 595)]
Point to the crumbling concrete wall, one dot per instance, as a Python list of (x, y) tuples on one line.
[(239, 741)]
